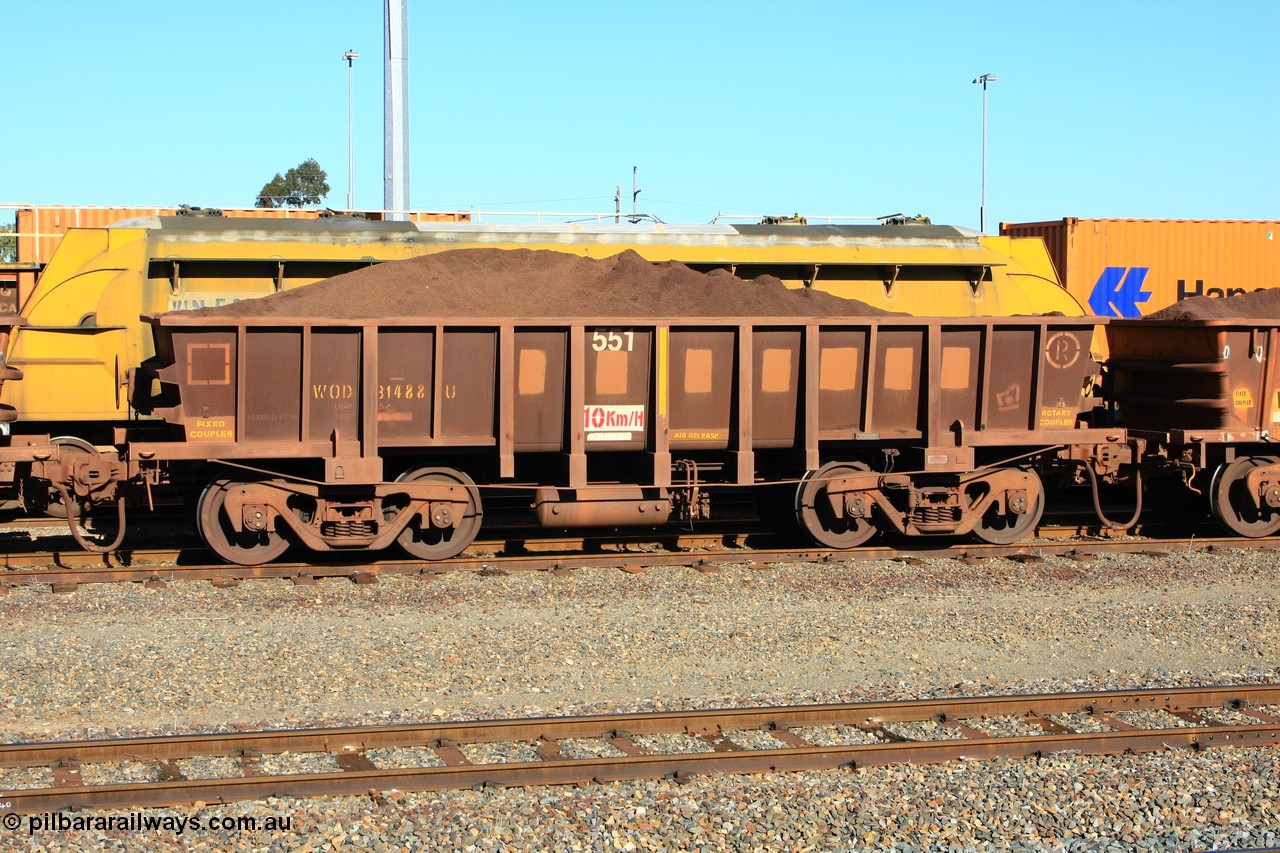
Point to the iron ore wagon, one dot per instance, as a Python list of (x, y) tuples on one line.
[(340, 433)]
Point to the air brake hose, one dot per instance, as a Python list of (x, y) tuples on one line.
[(73, 519), (1097, 503)]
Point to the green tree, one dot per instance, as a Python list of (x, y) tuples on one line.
[(304, 184), (8, 245)]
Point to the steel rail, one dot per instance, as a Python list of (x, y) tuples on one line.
[(68, 569), (361, 776)]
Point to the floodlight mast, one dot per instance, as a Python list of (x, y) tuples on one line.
[(982, 210), (395, 130), (351, 56)]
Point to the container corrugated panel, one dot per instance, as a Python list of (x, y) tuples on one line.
[(1134, 267), (40, 229)]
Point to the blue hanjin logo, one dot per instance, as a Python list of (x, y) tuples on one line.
[(1118, 292)]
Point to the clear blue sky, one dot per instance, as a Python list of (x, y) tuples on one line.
[(1103, 108)]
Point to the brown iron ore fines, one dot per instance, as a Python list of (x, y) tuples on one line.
[(1257, 304), (513, 283)]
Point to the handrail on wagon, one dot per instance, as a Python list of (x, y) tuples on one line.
[(824, 219), (566, 216)]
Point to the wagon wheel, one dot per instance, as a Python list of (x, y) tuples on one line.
[(248, 547), (1009, 527), (440, 543), (815, 515), (1232, 505)]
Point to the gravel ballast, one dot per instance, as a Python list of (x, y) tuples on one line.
[(126, 660)]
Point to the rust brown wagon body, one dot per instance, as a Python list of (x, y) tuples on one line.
[(356, 434), (1204, 396)]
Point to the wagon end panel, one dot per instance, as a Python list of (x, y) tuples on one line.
[(1013, 381), (1068, 374), (265, 389), (1195, 374), (191, 382)]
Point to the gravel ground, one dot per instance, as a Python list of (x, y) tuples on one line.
[(121, 659)]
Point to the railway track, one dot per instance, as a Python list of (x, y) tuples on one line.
[(605, 748), (66, 568)]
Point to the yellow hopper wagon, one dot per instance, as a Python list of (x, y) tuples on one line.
[(81, 333)]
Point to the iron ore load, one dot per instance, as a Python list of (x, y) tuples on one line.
[(391, 405)]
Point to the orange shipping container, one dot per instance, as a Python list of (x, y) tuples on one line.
[(1134, 267)]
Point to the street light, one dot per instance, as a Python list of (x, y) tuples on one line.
[(982, 211), (351, 56)]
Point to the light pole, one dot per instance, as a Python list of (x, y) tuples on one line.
[(982, 211), (351, 56)]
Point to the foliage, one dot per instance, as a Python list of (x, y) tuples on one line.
[(8, 245), (304, 184)]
